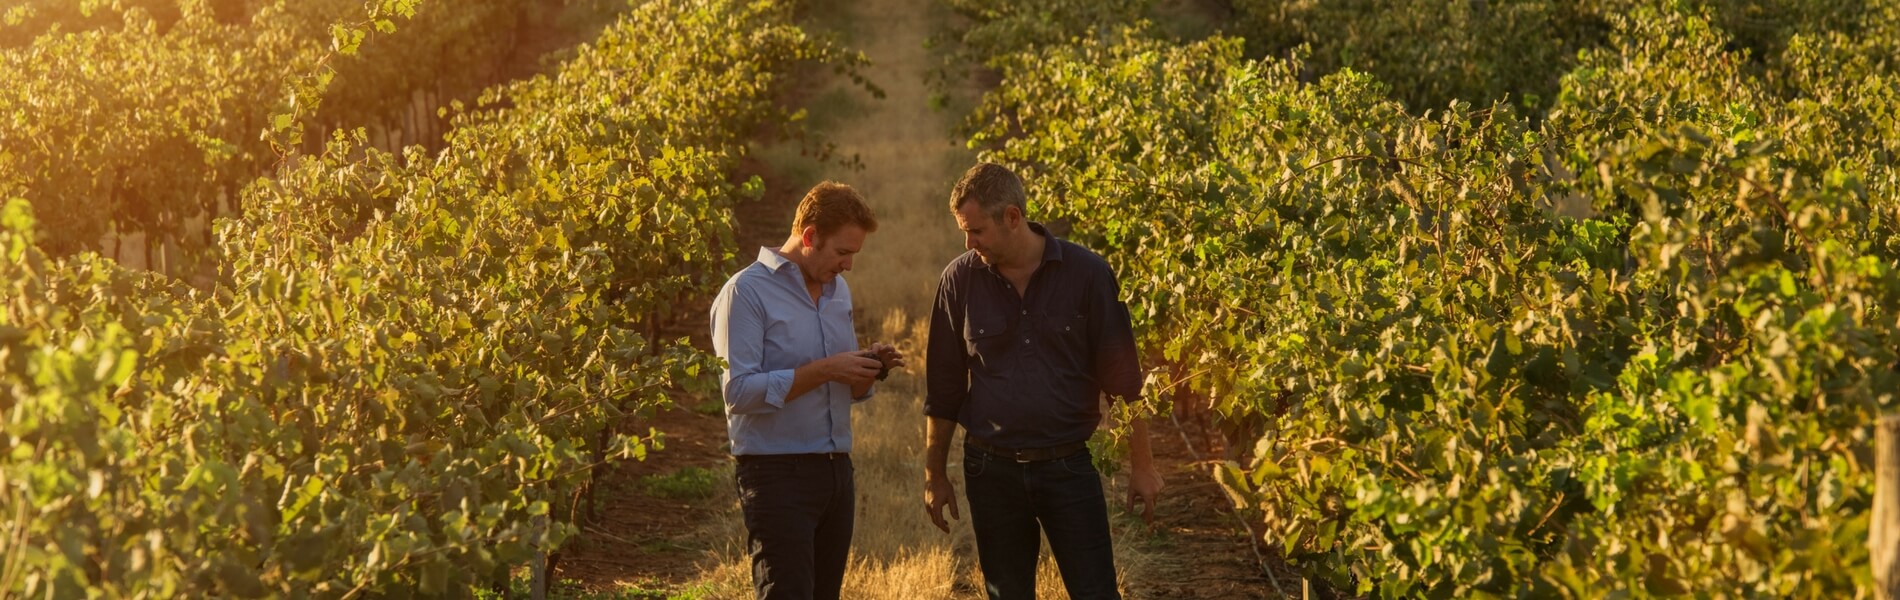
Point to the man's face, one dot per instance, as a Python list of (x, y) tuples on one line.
[(981, 233), (834, 253)]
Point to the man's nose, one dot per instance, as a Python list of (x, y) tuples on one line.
[(969, 242), (847, 264)]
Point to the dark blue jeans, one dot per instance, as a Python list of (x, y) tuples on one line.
[(1011, 502), (798, 515)]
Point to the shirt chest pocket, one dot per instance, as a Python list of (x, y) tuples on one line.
[(1065, 331), (986, 340)]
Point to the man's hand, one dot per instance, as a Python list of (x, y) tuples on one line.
[(1144, 482), (850, 368), (938, 492), (887, 355), (1144, 486)]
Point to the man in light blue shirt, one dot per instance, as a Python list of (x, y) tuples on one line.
[(794, 369)]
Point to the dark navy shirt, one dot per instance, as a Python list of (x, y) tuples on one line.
[(1028, 371)]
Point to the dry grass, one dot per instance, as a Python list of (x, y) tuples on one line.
[(911, 161), (896, 553)]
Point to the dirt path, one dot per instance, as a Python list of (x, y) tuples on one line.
[(912, 156), (656, 547)]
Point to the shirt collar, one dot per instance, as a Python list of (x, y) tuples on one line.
[(770, 257), (1051, 251), (777, 263)]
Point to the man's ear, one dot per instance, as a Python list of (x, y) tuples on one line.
[(1012, 218), (809, 236)]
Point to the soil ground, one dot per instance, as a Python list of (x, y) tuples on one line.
[(647, 546)]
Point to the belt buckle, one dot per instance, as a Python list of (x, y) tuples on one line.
[(1020, 457)]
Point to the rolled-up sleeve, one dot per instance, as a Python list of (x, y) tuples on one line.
[(738, 328), (946, 365), (1117, 362)]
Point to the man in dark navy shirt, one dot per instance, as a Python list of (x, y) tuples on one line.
[(1027, 334)]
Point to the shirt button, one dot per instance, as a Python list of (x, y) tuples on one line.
[(1025, 312), (1025, 340), (979, 331)]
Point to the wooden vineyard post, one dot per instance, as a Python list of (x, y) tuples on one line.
[(538, 570), (1883, 537)]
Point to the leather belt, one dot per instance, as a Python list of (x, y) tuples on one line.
[(1026, 454), (767, 457)]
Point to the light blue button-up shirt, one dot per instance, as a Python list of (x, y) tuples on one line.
[(765, 325)]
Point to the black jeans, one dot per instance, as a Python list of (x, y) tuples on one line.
[(1010, 501), (798, 515)]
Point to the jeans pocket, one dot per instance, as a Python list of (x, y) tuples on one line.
[(1080, 463), (756, 472), (974, 464)]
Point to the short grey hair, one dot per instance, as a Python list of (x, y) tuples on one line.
[(994, 187)]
